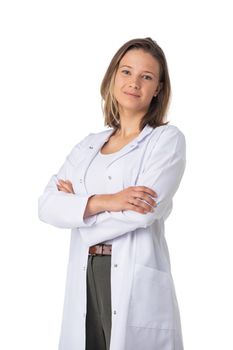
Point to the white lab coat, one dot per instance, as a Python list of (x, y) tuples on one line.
[(145, 312)]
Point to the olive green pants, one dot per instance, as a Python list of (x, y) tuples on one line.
[(98, 319)]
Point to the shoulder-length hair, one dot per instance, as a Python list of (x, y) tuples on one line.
[(155, 115)]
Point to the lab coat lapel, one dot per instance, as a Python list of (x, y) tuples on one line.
[(133, 144), (96, 144), (90, 152)]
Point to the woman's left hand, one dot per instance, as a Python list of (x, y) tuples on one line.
[(65, 186)]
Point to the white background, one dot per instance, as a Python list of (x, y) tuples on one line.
[(53, 57)]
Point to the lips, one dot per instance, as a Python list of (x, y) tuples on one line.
[(131, 94)]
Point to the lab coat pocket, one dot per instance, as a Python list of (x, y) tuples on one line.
[(151, 303)]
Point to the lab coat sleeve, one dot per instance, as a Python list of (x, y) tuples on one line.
[(61, 209), (163, 172)]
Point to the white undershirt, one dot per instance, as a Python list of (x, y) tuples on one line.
[(95, 180)]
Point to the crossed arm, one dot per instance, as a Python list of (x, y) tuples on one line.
[(130, 198), (94, 215)]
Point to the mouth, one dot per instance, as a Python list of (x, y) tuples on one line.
[(130, 94)]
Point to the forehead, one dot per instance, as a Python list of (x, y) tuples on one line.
[(138, 58)]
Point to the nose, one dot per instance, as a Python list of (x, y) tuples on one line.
[(134, 84)]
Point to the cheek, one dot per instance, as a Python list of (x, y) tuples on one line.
[(117, 86), (118, 82), (151, 92)]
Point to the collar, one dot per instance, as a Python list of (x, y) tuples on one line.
[(144, 132)]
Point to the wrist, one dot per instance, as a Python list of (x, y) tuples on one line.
[(97, 204), (100, 202)]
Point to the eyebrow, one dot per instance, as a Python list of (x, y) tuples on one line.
[(145, 71)]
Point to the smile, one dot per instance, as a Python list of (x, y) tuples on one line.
[(129, 94)]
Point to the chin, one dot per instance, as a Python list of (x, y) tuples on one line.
[(129, 104)]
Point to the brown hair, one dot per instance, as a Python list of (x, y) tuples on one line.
[(159, 104)]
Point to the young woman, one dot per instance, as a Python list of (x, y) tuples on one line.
[(114, 191)]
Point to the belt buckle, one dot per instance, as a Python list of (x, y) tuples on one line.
[(99, 253)]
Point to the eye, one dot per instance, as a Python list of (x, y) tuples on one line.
[(125, 71), (147, 77)]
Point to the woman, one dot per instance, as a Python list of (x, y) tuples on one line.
[(114, 191)]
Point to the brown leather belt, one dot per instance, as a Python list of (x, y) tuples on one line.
[(100, 249)]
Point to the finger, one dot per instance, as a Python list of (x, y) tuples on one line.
[(70, 188), (68, 181), (145, 197), (145, 189), (60, 187), (65, 181), (67, 184), (62, 182), (64, 188), (137, 209), (143, 205)]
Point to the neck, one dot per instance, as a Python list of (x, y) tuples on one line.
[(129, 125)]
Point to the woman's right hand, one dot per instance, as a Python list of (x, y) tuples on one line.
[(132, 198)]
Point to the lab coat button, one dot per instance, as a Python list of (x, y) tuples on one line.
[(84, 268), (109, 177), (80, 180), (91, 147), (114, 312), (115, 265)]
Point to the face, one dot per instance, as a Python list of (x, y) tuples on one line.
[(136, 81)]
